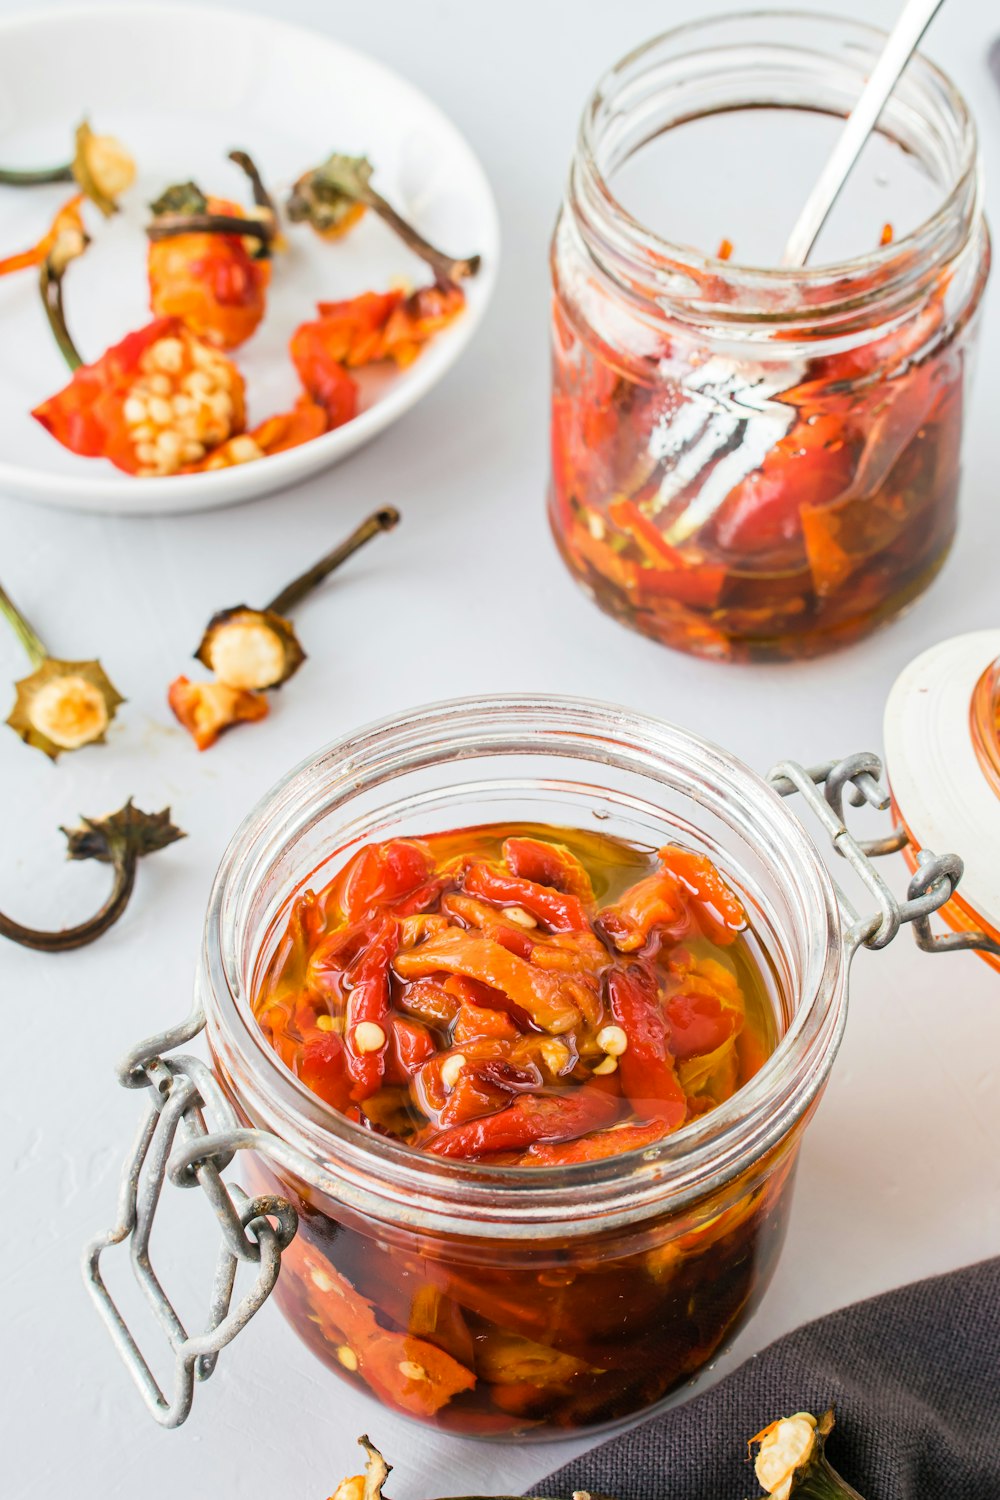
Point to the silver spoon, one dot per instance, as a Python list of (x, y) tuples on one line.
[(914, 20), (725, 446)]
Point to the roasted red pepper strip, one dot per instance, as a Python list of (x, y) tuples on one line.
[(210, 281), (411, 1046), (323, 376), (533, 1117), (324, 1069), (560, 912), (380, 875), (811, 466), (721, 915), (699, 1024), (368, 1005), (646, 1066), (596, 1147), (205, 709), (66, 226), (548, 864), (655, 901), (540, 994)]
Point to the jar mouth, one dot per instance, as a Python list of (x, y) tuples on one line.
[(646, 767), (725, 63)]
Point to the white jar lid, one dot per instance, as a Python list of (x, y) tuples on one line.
[(937, 782)]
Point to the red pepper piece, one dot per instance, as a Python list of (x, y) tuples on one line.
[(560, 912), (369, 1003), (413, 1375), (812, 465), (473, 992), (472, 1098), (210, 281), (655, 901), (548, 864), (699, 1024), (323, 376), (533, 1117), (596, 1147), (720, 913), (476, 1022), (411, 1045), (541, 995), (487, 919), (677, 575), (646, 1066), (324, 1069), (380, 875), (205, 709), (67, 223), (430, 1001)]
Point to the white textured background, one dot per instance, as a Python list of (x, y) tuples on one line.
[(900, 1173)]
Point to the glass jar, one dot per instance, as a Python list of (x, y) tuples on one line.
[(498, 1301), (573, 1297), (942, 739), (752, 463)]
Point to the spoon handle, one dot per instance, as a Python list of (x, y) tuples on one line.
[(903, 42)]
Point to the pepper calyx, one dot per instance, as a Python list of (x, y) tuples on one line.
[(127, 831), (328, 196), (253, 649), (180, 198), (64, 705), (791, 1460)]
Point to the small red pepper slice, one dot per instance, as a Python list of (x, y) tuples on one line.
[(548, 864), (324, 1069), (646, 1066), (380, 875), (530, 1118), (655, 901), (541, 995), (205, 709), (597, 1147), (323, 376), (560, 912), (368, 1002), (67, 222), (720, 913), (812, 465), (411, 1045), (699, 1024)]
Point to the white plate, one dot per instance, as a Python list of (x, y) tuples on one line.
[(181, 86)]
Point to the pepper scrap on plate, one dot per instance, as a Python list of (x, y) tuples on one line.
[(61, 705), (209, 259), (250, 651), (101, 166), (334, 196)]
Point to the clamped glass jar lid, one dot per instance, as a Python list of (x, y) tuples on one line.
[(699, 1213), (942, 741)]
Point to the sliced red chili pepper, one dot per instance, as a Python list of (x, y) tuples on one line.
[(323, 377), (205, 709), (699, 1024), (540, 994), (411, 1045), (210, 281), (533, 1117), (655, 901), (324, 1068), (559, 911), (721, 915), (548, 864), (430, 1001), (599, 1147), (646, 1066), (368, 1005), (473, 913), (380, 875), (477, 1021)]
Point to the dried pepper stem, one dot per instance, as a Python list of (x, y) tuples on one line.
[(445, 267), (169, 226), (26, 634), (37, 177), (119, 840), (261, 196), (50, 280), (791, 1461), (294, 592)]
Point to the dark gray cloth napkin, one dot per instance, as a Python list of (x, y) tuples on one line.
[(915, 1379)]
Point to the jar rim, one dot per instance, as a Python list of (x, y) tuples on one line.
[(628, 250), (386, 1179)]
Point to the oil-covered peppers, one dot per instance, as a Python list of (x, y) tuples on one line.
[(528, 997)]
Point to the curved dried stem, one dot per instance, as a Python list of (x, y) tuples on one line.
[(294, 592), (50, 280), (25, 632), (35, 177), (169, 226)]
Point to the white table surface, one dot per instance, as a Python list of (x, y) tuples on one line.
[(900, 1175)]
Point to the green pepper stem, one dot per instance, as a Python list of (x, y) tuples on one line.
[(125, 861), (446, 268), (29, 638), (50, 284), (169, 226), (381, 520), (822, 1482), (35, 177)]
